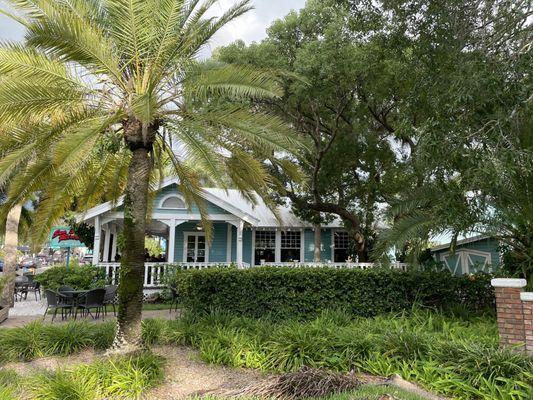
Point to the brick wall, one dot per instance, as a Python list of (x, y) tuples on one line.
[(527, 309), (515, 314)]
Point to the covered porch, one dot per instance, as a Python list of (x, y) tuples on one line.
[(182, 240)]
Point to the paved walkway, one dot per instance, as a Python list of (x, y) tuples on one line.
[(30, 310)]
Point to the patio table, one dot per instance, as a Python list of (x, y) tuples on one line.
[(73, 296)]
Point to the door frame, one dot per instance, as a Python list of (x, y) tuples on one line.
[(185, 241)]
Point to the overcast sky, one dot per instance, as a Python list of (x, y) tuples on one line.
[(250, 27)]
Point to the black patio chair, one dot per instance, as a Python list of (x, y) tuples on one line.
[(67, 296), (93, 299), (109, 298), (21, 288), (33, 286), (56, 301), (174, 299)]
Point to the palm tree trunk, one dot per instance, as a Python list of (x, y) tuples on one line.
[(131, 278), (10, 262), (317, 255)]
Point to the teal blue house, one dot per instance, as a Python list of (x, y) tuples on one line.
[(471, 255), (244, 233)]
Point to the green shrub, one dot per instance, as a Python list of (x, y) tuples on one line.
[(79, 277), (118, 378), (305, 292), (38, 340), (453, 357)]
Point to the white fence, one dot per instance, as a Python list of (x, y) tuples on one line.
[(154, 272), (349, 265)]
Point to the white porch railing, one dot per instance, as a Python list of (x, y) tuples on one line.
[(354, 265), (154, 272)]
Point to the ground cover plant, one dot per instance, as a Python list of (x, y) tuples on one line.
[(456, 357), (305, 292), (365, 392), (111, 378)]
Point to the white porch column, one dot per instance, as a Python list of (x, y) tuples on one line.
[(171, 241), (229, 242), (302, 245), (240, 228), (253, 248), (96, 243), (107, 242), (277, 250)]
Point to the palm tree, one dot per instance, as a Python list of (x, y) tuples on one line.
[(105, 92), (10, 251)]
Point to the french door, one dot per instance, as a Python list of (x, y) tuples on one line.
[(195, 248)]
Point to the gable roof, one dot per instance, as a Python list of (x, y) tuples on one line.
[(472, 239), (233, 202)]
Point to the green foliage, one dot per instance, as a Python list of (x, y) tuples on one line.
[(36, 340), (305, 292), (153, 246), (119, 378), (449, 355), (423, 106), (80, 277), (458, 358), (3, 280), (145, 58)]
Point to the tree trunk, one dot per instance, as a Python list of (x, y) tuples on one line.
[(10, 262), (317, 255), (131, 275)]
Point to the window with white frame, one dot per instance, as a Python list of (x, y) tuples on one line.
[(173, 202), (290, 246), (341, 246), (265, 246)]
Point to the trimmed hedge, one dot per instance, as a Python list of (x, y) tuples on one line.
[(305, 292), (80, 277)]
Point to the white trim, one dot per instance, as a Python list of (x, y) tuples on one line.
[(277, 249), (508, 282), (169, 196), (185, 240), (171, 243), (228, 243), (472, 239), (108, 206), (162, 217), (302, 245), (240, 243), (526, 296), (96, 243)]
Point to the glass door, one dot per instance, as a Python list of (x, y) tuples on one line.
[(196, 249)]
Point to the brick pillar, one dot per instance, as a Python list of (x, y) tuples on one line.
[(527, 309), (509, 311)]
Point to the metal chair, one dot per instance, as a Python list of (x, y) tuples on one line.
[(93, 299), (109, 298), (68, 296), (53, 301), (21, 287)]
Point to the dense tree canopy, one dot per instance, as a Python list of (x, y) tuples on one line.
[(416, 112)]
